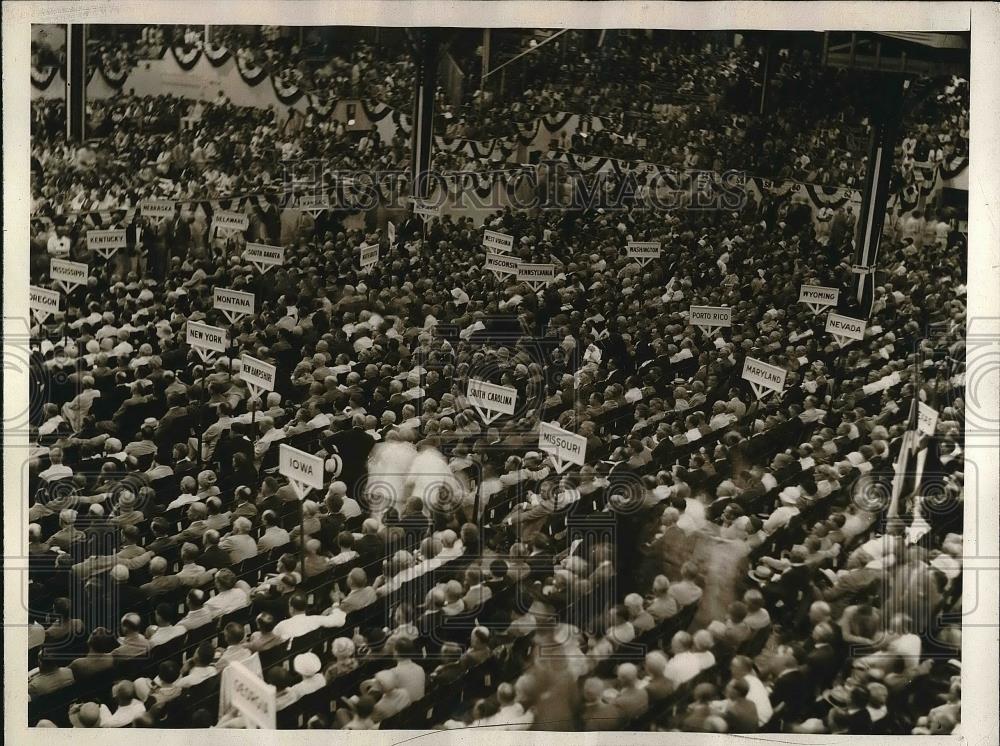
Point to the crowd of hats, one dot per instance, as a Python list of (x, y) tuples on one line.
[(718, 564)]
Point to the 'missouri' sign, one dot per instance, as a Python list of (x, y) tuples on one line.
[(564, 447)]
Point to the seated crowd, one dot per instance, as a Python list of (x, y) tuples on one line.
[(718, 564), (709, 539)]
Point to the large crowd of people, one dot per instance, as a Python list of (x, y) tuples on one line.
[(718, 563)]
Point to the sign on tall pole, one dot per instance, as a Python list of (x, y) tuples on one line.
[(818, 297), (536, 276), (844, 329), (763, 378), (886, 118), (711, 318), (42, 302), (501, 265), (68, 275), (107, 242), (490, 400), (234, 304), (206, 340), (263, 257), (227, 223), (564, 448), (643, 251), (500, 243)]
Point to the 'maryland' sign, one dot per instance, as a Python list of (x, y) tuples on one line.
[(498, 242), (763, 375)]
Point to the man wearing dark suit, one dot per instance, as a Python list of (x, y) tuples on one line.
[(822, 662), (173, 427), (354, 445), (790, 692), (133, 410), (213, 556), (114, 595), (178, 236), (370, 547)]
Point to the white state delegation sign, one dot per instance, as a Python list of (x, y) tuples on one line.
[(301, 467), (72, 273), (491, 397), (818, 295), (927, 418), (156, 209), (711, 316), (106, 241), (255, 700), (369, 255), (502, 264), (257, 372), (259, 253), (845, 326), (206, 337), (643, 249), (764, 374), (230, 221), (562, 444), (498, 242), (536, 273), (314, 202), (43, 300), (234, 301), (425, 209)]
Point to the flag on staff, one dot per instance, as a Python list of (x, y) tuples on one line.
[(909, 463)]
